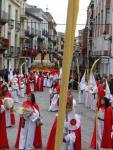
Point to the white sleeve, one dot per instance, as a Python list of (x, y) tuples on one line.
[(2, 108), (34, 116), (70, 138)]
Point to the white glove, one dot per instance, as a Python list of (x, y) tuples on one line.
[(70, 138), (112, 134), (2, 108)]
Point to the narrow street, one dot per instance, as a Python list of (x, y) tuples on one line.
[(42, 99)]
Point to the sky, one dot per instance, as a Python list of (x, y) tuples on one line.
[(58, 9)]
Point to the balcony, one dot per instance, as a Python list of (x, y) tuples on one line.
[(17, 26), (31, 33), (18, 51), (4, 44), (3, 17), (23, 35), (11, 24), (23, 15), (30, 53)]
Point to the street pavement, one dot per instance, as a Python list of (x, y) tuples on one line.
[(42, 98)]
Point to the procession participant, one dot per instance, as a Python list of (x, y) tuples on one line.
[(55, 75), (22, 88), (54, 96), (9, 105), (27, 82), (15, 89), (3, 133), (45, 78), (101, 92), (50, 79), (40, 81), (72, 129), (98, 132), (107, 137), (82, 88), (29, 131), (18, 81), (93, 92), (35, 82)]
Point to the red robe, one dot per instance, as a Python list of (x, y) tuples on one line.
[(12, 116), (40, 81), (93, 143), (101, 94), (35, 84), (3, 133), (38, 137), (28, 88), (51, 140), (107, 141)]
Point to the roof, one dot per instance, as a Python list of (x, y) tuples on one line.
[(29, 13)]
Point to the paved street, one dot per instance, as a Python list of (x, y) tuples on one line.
[(87, 118)]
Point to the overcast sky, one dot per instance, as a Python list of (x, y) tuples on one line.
[(58, 9)]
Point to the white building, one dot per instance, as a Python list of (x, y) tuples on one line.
[(101, 46), (14, 31), (43, 28)]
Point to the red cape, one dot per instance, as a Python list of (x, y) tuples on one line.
[(100, 93), (51, 140), (12, 116), (40, 81), (28, 88), (3, 133), (38, 137), (107, 142), (35, 84), (94, 138)]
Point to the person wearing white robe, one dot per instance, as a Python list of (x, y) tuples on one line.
[(28, 128), (22, 89), (54, 96), (27, 133), (15, 90), (50, 80)]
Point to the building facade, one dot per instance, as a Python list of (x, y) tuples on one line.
[(12, 30), (102, 33)]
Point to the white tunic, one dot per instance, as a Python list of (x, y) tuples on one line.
[(69, 131), (100, 125), (54, 96), (28, 131)]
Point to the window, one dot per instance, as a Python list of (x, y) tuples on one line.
[(107, 21), (9, 12), (16, 15), (9, 37), (102, 17)]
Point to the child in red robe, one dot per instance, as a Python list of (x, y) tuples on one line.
[(29, 131)]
